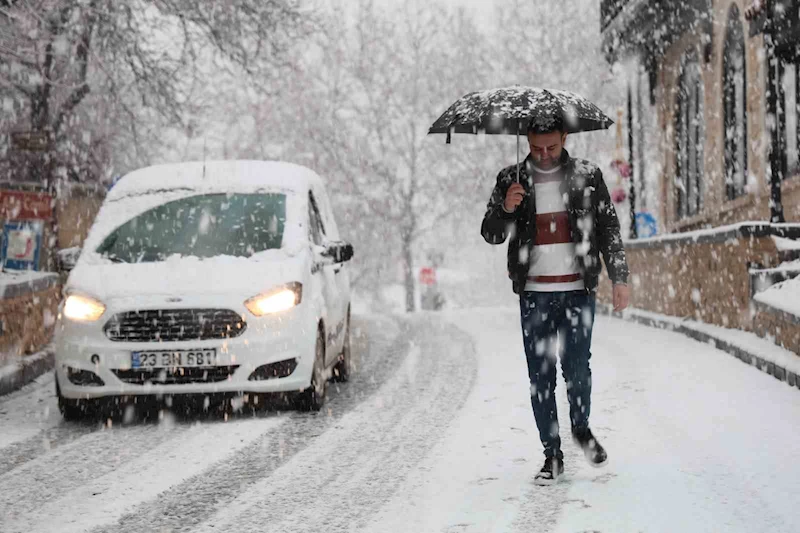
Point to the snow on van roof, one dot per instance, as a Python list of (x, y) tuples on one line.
[(217, 176)]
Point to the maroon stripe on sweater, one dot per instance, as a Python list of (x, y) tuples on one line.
[(547, 178), (571, 278), (552, 228)]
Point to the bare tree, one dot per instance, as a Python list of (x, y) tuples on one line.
[(357, 108), (358, 103), (401, 69), (138, 58)]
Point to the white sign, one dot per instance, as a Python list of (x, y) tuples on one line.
[(21, 245)]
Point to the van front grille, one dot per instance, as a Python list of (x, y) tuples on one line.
[(165, 325)]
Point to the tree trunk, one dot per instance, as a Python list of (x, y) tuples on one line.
[(408, 267), (40, 119)]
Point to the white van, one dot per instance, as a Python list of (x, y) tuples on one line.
[(202, 278)]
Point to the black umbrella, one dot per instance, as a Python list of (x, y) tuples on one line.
[(511, 109)]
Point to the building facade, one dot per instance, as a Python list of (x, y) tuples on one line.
[(709, 79), (714, 141)]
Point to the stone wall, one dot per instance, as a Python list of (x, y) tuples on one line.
[(783, 328), (28, 313), (704, 276)]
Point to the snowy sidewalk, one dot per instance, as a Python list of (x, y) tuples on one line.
[(697, 440), (18, 371), (748, 347)]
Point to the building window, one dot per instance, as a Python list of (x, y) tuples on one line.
[(689, 138), (735, 106), (642, 152)]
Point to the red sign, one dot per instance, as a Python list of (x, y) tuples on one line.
[(21, 205), (427, 276)]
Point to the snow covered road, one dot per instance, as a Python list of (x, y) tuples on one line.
[(698, 442), (328, 470), (434, 433)]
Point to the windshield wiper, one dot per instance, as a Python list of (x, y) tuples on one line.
[(114, 258)]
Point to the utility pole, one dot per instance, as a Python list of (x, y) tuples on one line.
[(631, 156)]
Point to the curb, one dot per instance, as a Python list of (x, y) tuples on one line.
[(16, 289), (768, 367), (17, 375)]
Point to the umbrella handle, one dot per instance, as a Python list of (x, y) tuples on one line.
[(517, 151)]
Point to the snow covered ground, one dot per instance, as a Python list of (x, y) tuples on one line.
[(434, 434), (784, 296)]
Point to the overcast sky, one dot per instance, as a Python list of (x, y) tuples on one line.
[(480, 7), (483, 8)]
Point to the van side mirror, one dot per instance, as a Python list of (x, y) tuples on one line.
[(334, 253), (339, 252), (68, 257)]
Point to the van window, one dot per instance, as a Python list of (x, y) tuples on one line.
[(202, 226)]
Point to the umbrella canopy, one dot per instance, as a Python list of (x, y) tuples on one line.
[(509, 111)]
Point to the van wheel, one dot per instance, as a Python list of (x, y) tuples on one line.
[(313, 398), (74, 410), (342, 370)]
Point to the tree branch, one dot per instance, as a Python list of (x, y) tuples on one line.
[(82, 52), (17, 56), (27, 91), (55, 29)]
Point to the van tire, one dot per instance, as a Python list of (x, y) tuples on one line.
[(75, 410), (343, 368), (313, 397)]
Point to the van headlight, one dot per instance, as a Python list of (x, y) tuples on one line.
[(83, 308), (276, 301)]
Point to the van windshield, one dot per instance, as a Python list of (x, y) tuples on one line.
[(202, 226)]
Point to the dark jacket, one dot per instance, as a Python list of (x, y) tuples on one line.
[(593, 222)]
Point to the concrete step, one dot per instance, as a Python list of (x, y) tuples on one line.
[(764, 278)]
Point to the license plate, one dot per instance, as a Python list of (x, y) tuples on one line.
[(175, 358)]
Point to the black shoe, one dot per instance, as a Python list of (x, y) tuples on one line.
[(594, 452), (550, 472)]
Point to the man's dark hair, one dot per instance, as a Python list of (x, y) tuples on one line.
[(546, 123)]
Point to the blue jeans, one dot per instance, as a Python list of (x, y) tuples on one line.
[(548, 317)]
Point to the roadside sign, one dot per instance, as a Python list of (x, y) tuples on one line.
[(22, 243), (30, 141), (427, 276), (23, 205)]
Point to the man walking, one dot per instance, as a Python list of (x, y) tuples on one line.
[(560, 220)]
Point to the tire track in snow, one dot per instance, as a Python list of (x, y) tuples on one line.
[(339, 482), (36, 428), (42, 442), (31, 424), (157, 468), (379, 346), (48, 477)]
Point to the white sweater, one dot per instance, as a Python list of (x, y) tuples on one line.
[(553, 265)]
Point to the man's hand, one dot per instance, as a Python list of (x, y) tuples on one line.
[(622, 297), (514, 197)]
